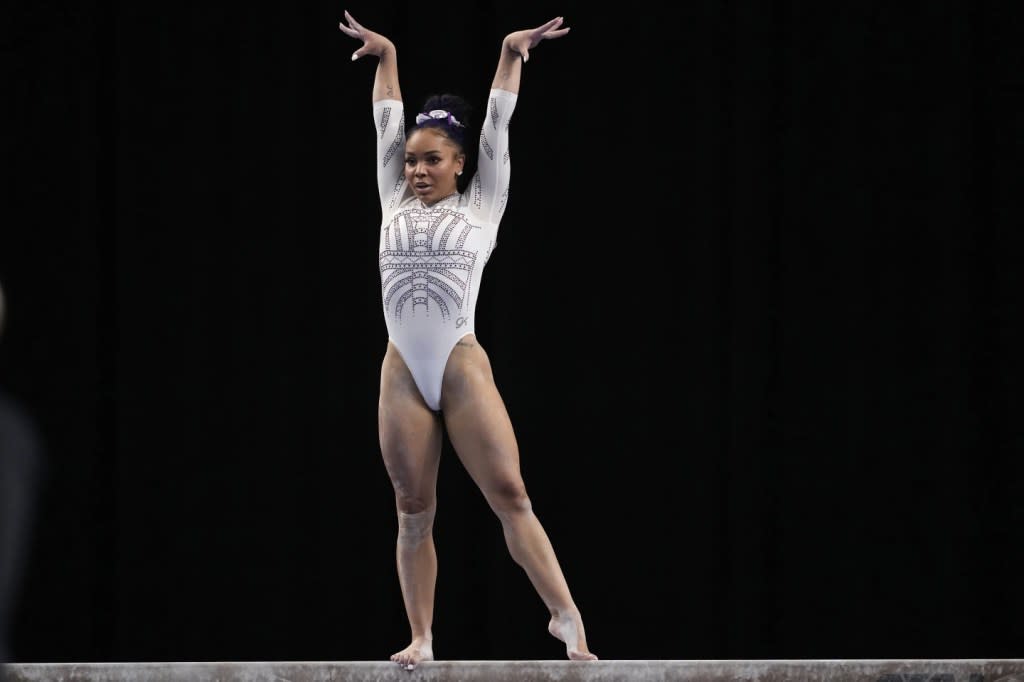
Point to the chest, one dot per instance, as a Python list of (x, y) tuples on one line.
[(424, 230)]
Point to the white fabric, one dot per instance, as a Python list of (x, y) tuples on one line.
[(432, 258)]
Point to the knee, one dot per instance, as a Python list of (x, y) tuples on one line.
[(414, 487), (415, 527), (408, 503), (509, 499)]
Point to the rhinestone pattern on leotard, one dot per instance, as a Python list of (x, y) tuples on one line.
[(423, 261)]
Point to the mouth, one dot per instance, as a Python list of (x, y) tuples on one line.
[(421, 187)]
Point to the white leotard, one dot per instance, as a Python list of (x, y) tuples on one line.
[(432, 258)]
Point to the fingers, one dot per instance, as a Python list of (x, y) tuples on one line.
[(353, 32), (351, 20), (354, 28), (557, 21), (348, 31), (550, 30)]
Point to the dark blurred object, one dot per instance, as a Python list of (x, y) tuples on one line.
[(20, 459)]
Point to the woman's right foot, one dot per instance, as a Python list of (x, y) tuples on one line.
[(568, 627), (420, 650)]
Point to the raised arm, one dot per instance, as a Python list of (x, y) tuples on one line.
[(385, 80), (388, 112), (515, 50)]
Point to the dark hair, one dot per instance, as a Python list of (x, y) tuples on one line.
[(458, 107), (462, 111)]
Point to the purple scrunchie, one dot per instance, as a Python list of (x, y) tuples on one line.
[(438, 115)]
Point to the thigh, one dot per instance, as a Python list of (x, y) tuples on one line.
[(478, 423), (410, 435)]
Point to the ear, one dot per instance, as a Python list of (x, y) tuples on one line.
[(460, 164)]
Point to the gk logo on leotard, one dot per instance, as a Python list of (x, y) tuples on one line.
[(461, 321)]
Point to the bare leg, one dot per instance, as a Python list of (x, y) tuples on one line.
[(481, 433), (410, 441)]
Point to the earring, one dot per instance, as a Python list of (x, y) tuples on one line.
[(458, 172)]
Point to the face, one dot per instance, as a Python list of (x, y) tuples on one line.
[(432, 164)]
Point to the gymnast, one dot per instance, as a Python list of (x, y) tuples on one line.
[(439, 226)]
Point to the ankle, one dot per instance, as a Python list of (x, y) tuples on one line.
[(570, 613)]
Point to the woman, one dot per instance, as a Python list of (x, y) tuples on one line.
[(434, 243)]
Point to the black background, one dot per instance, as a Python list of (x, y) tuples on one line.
[(750, 311)]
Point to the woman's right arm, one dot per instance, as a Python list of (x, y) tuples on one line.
[(385, 80), (388, 112)]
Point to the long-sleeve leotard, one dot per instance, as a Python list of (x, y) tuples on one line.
[(432, 258)]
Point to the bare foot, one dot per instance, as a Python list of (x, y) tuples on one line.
[(568, 627), (412, 655)]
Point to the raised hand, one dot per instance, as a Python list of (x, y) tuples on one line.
[(373, 43), (522, 41)]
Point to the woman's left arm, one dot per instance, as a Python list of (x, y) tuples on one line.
[(515, 50), (489, 188)]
